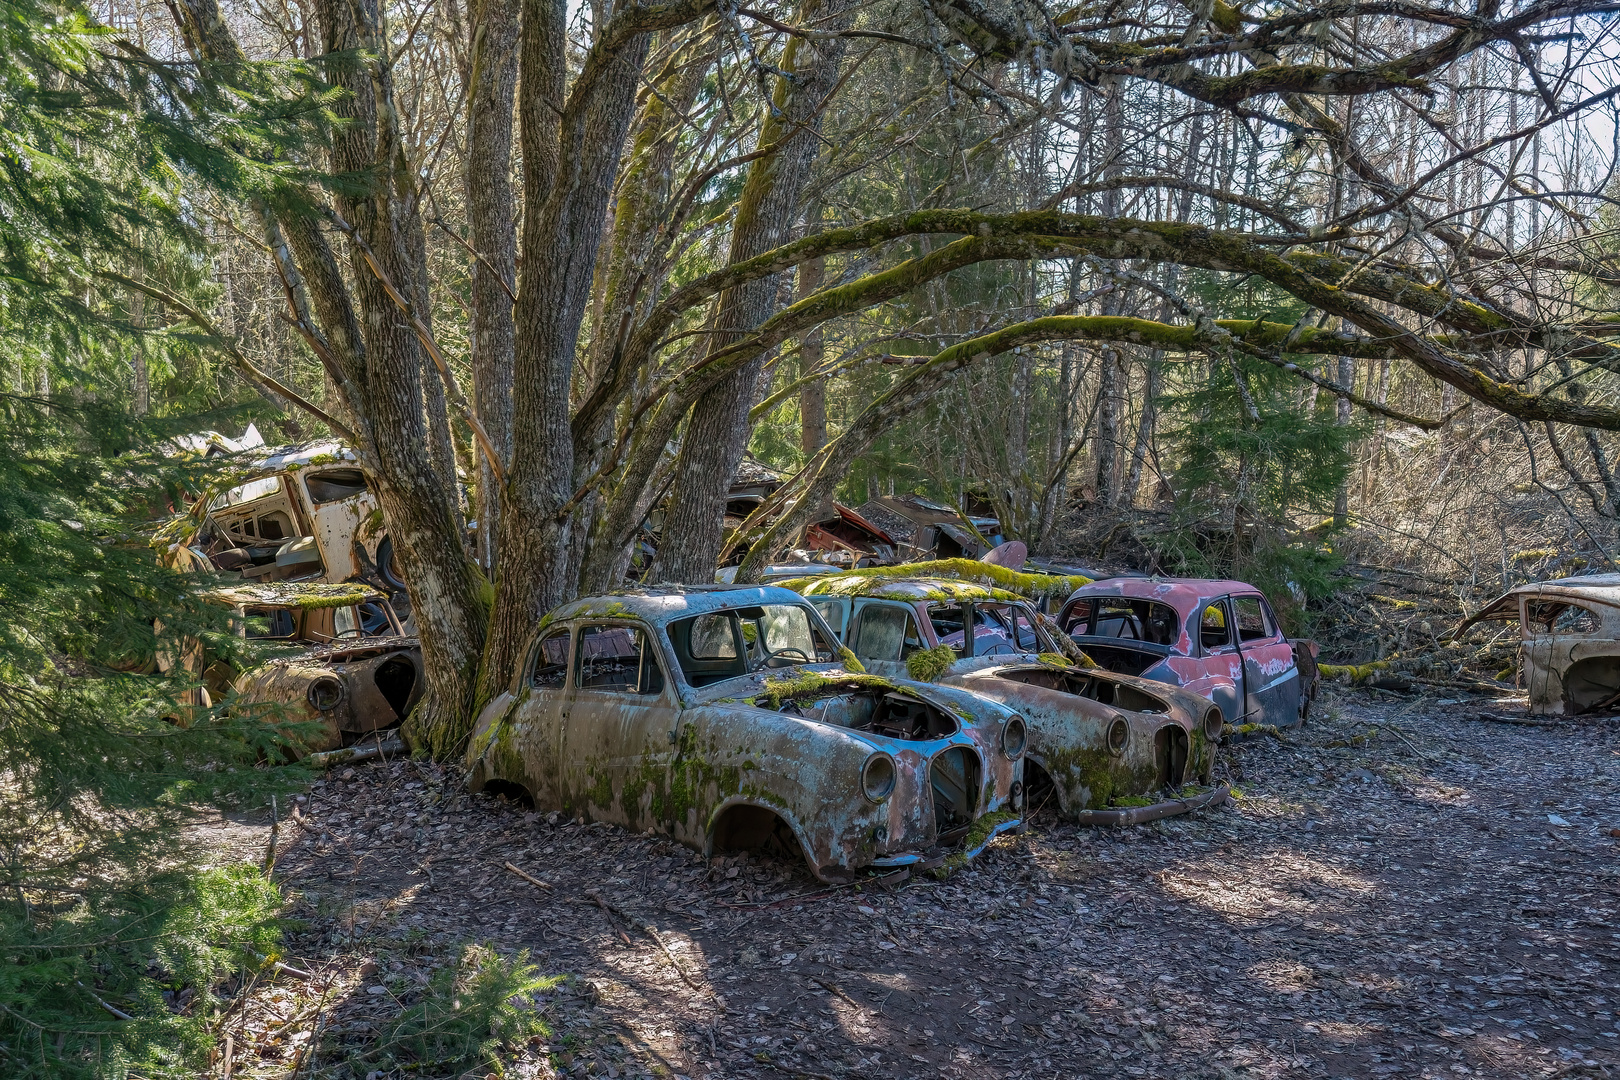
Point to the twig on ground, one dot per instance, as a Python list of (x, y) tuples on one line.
[(529, 879)]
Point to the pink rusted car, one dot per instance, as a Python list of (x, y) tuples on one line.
[(1218, 639)]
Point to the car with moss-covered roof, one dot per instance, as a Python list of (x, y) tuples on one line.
[(724, 717), (335, 666), (1103, 747)]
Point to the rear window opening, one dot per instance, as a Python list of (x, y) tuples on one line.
[(1080, 684), (1117, 617), (897, 716)]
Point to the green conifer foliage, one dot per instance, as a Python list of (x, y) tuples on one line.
[(113, 931)]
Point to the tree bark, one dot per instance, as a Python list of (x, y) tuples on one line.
[(717, 432), (491, 87)]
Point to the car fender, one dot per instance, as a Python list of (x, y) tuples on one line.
[(485, 736)]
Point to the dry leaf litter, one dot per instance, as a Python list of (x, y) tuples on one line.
[(1403, 889)]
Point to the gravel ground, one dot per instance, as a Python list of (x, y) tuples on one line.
[(1403, 889)]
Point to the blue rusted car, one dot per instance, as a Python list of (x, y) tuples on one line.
[(1103, 748), (723, 717)]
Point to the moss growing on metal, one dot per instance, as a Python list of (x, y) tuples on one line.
[(813, 684), (303, 596), (848, 659), (997, 578), (929, 665), (977, 836), (1055, 659)]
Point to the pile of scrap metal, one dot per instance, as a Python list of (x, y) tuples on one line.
[(1569, 633), (925, 530), (339, 665), (839, 537)]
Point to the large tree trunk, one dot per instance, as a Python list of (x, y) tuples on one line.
[(717, 433), (375, 361), (491, 86), (420, 507), (571, 151)]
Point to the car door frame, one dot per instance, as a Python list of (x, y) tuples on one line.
[(1268, 697), (538, 718), (605, 725), (1219, 678)]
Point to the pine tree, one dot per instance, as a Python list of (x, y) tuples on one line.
[(112, 931)]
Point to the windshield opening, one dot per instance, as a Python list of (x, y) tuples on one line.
[(725, 644), (999, 629)]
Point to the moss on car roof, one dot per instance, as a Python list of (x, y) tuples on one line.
[(940, 579), (304, 595)]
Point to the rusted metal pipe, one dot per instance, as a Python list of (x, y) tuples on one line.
[(1141, 815)]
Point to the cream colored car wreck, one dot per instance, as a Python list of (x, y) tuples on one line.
[(1569, 633), (301, 513), (721, 717), (345, 668)]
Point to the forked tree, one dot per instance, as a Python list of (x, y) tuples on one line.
[(612, 367)]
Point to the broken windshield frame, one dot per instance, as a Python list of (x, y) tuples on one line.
[(731, 643)]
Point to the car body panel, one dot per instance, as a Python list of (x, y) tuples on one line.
[(705, 763), (1070, 712)]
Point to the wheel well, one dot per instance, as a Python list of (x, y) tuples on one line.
[(506, 789), (747, 827)]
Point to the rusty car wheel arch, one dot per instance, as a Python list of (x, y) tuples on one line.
[(782, 814)]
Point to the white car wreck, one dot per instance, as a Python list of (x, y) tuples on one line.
[(1570, 634)]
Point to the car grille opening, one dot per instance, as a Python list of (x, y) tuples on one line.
[(1170, 754), (396, 678), (954, 777)]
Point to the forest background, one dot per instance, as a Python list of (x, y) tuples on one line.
[(1319, 296)]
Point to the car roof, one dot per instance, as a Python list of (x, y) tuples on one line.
[(1180, 593), (918, 588), (294, 594), (659, 604)]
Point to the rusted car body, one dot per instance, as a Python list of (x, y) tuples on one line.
[(300, 513), (1096, 738), (1569, 630), (345, 668), (1217, 639), (721, 717)]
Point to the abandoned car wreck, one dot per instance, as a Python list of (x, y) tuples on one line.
[(1104, 748), (722, 717), (1569, 632), (341, 667), (1217, 639)]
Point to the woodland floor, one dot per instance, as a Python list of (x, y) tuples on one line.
[(1433, 898)]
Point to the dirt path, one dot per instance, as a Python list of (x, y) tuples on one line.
[(1436, 900)]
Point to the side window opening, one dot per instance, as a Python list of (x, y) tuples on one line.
[(551, 661), (831, 612), (330, 485), (1252, 624), (949, 621), (1557, 617), (885, 632), (617, 659), (270, 623), (1214, 631)]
